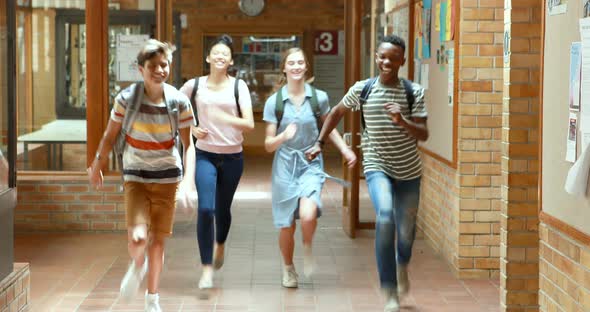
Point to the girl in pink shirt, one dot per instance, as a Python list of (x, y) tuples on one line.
[(223, 114)]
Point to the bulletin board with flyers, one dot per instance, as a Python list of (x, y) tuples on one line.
[(433, 51)]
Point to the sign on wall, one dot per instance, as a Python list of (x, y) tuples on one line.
[(326, 42), (126, 57)]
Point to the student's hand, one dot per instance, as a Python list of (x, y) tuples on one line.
[(186, 196), (349, 157), (289, 132), (313, 152), (95, 176), (394, 111), (200, 133)]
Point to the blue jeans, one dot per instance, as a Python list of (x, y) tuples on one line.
[(396, 205), (216, 177)]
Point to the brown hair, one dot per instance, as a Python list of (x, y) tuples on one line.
[(283, 77), (152, 48)]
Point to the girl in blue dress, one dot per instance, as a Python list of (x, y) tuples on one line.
[(296, 182)]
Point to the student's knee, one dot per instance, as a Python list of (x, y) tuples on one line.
[(137, 234)]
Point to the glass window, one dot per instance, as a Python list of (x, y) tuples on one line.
[(256, 61), (51, 81)]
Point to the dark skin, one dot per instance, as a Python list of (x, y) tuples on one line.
[(389, 59)]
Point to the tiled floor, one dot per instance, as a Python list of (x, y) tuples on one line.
[(82, 272)]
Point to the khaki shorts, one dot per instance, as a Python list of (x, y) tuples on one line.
[(152, 204)]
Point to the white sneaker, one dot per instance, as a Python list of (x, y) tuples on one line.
[(152, 302), (132, 279), (403, 283), (392, 304), (206, 281), (308, 261), (289, 277)]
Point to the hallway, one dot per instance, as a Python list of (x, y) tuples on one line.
[(82, 272)]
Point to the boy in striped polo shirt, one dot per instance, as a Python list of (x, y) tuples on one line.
[(391, 162), (152, 166)]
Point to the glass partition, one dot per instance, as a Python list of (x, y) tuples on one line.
[(51, 76)]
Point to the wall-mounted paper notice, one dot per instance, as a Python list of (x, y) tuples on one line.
[(557, 6), (576, 182), (575, 75), (585, 82), (572, 134), (424, 75)]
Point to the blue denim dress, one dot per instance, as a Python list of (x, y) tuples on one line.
[(293, 176)]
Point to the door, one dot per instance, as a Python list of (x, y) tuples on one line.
[(352, 70), (7, 134)]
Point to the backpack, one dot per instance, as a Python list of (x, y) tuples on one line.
[(315, 107), (367, 90), (133, 96)]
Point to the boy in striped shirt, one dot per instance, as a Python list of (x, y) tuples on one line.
[(391, 162), (152, 166)]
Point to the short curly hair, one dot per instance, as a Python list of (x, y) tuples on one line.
[(395, 40)]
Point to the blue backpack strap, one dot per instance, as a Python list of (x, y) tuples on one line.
[(315, 107), (409, 93), (365, 96), (279, 106)]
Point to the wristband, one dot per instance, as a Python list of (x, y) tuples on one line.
[(321, 143)]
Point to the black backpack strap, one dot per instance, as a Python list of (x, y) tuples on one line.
[(409, 93), (193, 101), (279, 107), (365, 96), (237, 95), (315, 107)]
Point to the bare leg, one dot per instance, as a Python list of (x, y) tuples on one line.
[(156, 262), (287, 243), (137, 243), (307, 213)]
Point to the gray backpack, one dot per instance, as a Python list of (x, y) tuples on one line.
[(133, 95)]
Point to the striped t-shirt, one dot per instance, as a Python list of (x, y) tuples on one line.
[(388, 147), (150, 154)]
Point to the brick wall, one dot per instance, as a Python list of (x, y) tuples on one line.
[(564, 272), (466, 222), (67, 204), (438, 219), (519, 265), (15, 289)]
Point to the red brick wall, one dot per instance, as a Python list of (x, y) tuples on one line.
[(68, 204)]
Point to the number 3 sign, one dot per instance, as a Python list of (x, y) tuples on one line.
[(326, 42)]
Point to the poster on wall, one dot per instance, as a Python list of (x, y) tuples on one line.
[(585, 8), (585, 83), (572, 132), (451, 71), (556, 7), (126, 56), (575, 75), (422, 29), (446, 16)]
